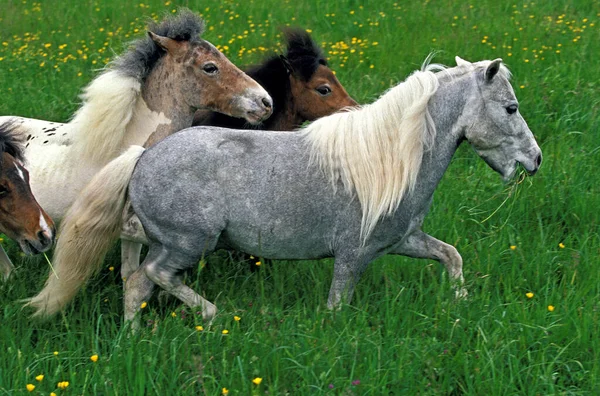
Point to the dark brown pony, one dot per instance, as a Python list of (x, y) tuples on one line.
[(301, 84), (21, 217)]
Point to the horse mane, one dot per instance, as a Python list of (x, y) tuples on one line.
[(143, 53), (376, 150), (10, 141), (303, 54), (109, 101)]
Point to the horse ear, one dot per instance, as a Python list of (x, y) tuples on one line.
[(492, 69), (461, 62), (286, 64), (173, 47)]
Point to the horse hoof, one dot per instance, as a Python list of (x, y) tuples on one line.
[(461, 294), (209, 311), (135, 325)]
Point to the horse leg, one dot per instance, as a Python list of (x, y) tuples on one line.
[(138, 289), (132, 238), (422, 245), (167, 274), (6, 266), (346, 273), (130, 257)]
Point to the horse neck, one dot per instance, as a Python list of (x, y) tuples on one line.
[(161, 95), (287, 118), (273, 76), (446, 107)]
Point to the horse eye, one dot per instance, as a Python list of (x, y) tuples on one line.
[(511, 109), (3, 191), (323, 90), (210, 68)]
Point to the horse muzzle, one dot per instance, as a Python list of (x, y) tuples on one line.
[(263, 109), (41, 243), (533, 161), (255, 106)]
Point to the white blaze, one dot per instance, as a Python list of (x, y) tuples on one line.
[(19, 171), (44, 225)]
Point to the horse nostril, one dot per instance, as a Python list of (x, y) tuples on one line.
[(538, 160), (267, 102), (42, 237)]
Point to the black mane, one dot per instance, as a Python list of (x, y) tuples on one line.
[(10, 141), (302, 53), (139, 60)]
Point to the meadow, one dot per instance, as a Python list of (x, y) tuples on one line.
[(531, 248)]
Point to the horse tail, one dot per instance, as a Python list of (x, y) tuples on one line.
[(109, 104), (88, 230)]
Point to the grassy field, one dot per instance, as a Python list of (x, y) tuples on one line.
[(531, 249)]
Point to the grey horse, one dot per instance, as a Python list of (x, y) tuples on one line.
[(353, 186)]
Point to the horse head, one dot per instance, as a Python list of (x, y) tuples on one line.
[(21, 217), (208, 80), (316, 90), (497, 131)]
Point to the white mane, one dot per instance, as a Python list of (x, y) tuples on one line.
[(377, 150), (109, 103)]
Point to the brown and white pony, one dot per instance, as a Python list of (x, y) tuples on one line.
[(21, 217), (153, 88)]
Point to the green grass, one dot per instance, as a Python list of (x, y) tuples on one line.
[(403, 333)]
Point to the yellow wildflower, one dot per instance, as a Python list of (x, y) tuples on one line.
[(529, 295), (111, 268), (62, 385), (225, 331), (258, 263), (225, 391), (30, 387), (199, 328), (513, 247), (550, 308), (237, 318), (55, 353), (39, 377), (561, 245), (144, 305), (94, 358), (257, 381), (173, 314)]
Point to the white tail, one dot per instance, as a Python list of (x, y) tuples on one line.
[(88, 230)]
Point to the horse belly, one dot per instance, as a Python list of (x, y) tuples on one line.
[(56, 177), (273, 221), (278, 240)]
